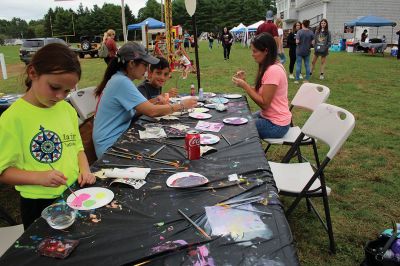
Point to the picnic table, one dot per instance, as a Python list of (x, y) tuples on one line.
[(374, 47), (143, 225)]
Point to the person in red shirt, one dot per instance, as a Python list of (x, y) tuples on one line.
[(111, 45), (270, 27)]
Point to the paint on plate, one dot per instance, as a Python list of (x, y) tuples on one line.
[(89, 203), (77, 202), (100, 195)]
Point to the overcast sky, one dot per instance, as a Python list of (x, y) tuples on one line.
[(36, 9)]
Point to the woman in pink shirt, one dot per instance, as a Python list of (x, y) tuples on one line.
[(271, 89)]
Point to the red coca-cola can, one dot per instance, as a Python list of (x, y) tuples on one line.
[(192, 144)]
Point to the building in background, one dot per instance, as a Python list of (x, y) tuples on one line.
[(337, 12)]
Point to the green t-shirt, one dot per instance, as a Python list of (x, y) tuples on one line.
[(32, 137)]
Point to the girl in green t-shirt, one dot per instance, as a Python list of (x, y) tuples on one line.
[(42, 149)]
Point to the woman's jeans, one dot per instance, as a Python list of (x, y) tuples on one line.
[(299, 59), (266, 129), (227, 51)]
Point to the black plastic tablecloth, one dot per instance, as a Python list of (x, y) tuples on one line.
[(143, 225)]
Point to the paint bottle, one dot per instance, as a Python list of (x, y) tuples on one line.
[(201, 95)]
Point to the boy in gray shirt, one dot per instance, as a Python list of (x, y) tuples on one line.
[(304, 40)]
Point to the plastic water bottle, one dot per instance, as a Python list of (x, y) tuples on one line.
[(192, 90), (201, 95)]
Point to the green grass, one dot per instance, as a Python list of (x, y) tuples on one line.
[(364, 176)]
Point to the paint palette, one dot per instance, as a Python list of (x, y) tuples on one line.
[(208, 139), (186, 179), (219, 100), (235, 120), (200, 115), (232, 96), (90, 198)]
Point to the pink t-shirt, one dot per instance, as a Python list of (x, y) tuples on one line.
[(278, 112)]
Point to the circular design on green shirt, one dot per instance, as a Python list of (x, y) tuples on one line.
[(46, 146)]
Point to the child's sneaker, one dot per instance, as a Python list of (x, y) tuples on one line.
[(301, 76), (296, 82), (291, 76), (321, 77)]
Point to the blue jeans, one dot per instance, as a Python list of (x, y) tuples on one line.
[(267, 129), (306, 59), (282, 58)]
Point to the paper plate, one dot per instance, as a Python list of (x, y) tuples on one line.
[(219, 100), (208, 139), (209, 94), (186, 179), (200, 115), (199, 104), (235, 120), (200, 110), (210, 105), (188, 97), (90, 198), (232, 96)]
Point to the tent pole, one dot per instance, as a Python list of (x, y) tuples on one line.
[(391, 41)]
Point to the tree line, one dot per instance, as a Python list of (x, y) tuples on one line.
[(211, 15)]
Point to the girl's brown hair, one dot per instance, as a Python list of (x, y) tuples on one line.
[(54, 58)]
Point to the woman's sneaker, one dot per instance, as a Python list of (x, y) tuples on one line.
[(321, 77), (291, 76), (301, 76)]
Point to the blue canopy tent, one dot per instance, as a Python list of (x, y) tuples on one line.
[(371, 21), (151, 22)]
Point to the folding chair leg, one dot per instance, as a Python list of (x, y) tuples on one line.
[(267, 148), (308, 204), (314, 145), (332, 245), (299, 157)]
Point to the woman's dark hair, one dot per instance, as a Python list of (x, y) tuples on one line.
[(160, 65), (320, 27), (264, 42), (294, 26), (113, 66), (54, 58)]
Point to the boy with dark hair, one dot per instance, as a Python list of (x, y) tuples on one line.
[(157, 76), (304, 40)]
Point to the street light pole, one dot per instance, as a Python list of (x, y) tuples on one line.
[(123, 21)]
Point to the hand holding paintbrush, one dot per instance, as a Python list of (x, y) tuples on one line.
[(65, 179)]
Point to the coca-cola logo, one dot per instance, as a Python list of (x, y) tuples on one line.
[(194, 142)]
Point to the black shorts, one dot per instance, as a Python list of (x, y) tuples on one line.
[(186, 44)]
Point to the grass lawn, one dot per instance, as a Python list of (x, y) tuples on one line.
[(364, 176)]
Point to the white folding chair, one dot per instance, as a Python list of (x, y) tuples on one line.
[(331, 125), (308, 97), (84, 101), (8, 236)]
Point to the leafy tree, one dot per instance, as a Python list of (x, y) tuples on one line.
[(152, 9)]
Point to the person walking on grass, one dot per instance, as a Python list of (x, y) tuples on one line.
[(291, 41), (226, 40), (281, 51), (304, 40), (111, 45), (322, 40), (270, 27), (271, 88), (210, 37), (42, 152)]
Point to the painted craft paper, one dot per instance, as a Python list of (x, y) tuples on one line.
[(135, 183), (242, 225), (209, 126), (90, 198)]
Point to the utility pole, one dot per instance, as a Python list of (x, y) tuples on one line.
[(123, 21)]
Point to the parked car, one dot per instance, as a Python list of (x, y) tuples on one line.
[(89, 45), (31, 46)]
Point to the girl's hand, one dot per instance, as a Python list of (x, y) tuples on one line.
[(86, 178), (162, 100), (53, 178), (189, 103), (239, 82), (240, 74)]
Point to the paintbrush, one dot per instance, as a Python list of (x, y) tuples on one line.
[(157, 151), (70, 189), (194, 224), (242, 209), (228, 202), (227, 141), (128, 155)]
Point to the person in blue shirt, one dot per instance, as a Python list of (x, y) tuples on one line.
[(119, 98)]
